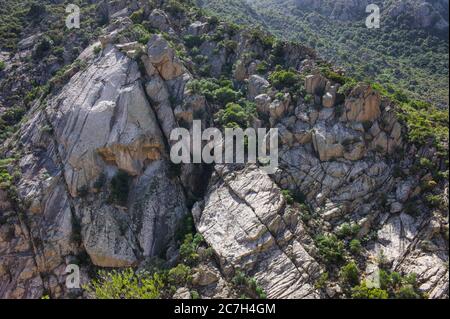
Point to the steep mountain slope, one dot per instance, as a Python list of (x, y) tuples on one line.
[(357, 208), (410, 51)]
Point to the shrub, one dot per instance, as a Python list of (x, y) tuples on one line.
[(195, 295), (120, 187), (322, 281), (331, 249), (350, 274), (364, 292), (398, 286), (230, 45), (43, 46), (426, 163), (2, 65), (13, 115), (407, 292), (5, 179), (284, 79), (180, 275), (137, 32), (308, 98), (234, 115), (347, 87), (434, 201), (348, 230), (215, 91), (355, 246), (189, 249), (248, 285), (37, 10), (266, 39), (262, 67), (97, 50), (175, 7), (125, 285), (137, 16), (226, 95), (287, 194)]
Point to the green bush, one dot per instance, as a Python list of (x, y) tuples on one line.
[(284, 79), (348, 230), (97, 50), (234, 115), (138, 16), (398, 286), (434, 201), (407, 292), (262, 67), (195, 295), (248, 285), (175, 7), (181, 275), (364, 292), (230, 45), (331, 249), (43, 47), (349, 274), (215, 91), (2, 66), (137, 32), (266, 39), (288, 197), (355, 247), (125, 285), (322, 281), (226, 95), (189, 249), (37, 10)]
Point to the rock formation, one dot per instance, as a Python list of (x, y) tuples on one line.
[(96, 186)]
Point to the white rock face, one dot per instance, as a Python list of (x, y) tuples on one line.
[(104, 116), (243, 219), (101, 122)]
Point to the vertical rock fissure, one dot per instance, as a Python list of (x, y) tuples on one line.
[(299, 269)]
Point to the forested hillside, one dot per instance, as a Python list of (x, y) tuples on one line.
[(408, 52)]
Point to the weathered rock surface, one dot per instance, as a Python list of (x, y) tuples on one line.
[(163, 58), (345, 161), (243, 218), (363, 105), (101, 122), (257, 85)]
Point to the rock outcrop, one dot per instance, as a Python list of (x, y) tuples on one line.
[(245, 220), (90, 182)]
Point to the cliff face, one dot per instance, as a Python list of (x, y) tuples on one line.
[(96, 186)]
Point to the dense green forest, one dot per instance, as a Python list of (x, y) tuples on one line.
[(414, 60)]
